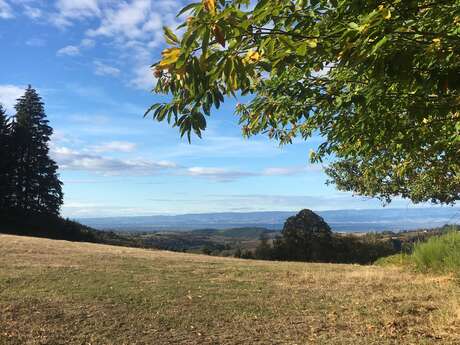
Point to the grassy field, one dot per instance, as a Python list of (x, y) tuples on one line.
[(56, 292)]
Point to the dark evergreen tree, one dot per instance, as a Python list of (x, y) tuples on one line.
[(5, 160), (37, 185)]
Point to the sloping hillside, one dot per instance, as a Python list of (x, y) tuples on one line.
[(56, 292)]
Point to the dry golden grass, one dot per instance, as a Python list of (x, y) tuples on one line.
[(57, 292)]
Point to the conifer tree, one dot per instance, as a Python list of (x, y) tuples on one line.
[(37, 185), (5, 160)]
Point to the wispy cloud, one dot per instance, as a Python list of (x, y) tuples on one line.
[(9, 94), (133, 28), (68, 11), (74, 50), (290, 171), (69, 159), (225, 174), (114, 146), (102, 69), (91, 159), (266, 202), (127, 20), (5, 10), (68, 51), (219, 174), (32, 12), (89, 119), (143, 78)]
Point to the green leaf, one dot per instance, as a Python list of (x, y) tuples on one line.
[(171, 38), (379, 44), (188, 8)]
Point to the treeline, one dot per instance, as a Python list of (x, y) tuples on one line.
[(307, 237), (29, 181), (339, 248)]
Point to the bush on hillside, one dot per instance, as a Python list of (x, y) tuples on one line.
[(363, 249), (439, 254)]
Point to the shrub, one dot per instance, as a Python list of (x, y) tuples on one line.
[(439, 254)]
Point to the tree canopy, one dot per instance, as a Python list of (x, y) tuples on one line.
[(378, 80)]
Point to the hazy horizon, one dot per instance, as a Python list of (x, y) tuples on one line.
[(153, 214)]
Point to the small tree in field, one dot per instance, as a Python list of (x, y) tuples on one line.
[(305, 237)]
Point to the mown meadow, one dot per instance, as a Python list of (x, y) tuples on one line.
[(58, 292)]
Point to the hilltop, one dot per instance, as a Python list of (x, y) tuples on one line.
[(76, 293)]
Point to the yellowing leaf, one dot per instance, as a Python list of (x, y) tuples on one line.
[(210, 6), (170, 56), (312, 43), (386, 13), (252, 56)]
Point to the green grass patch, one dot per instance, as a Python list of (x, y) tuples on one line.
[(395, 260)]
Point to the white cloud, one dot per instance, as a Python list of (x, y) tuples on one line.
[(219, 174), (223, 174), (126, 20), (114, 146), (135, 27), (73, 50), (132, 27), (69, 159), (5, 10), (32, 12), (69, 51), (105, 70), (70, 10), (9, 94), (143, 78)]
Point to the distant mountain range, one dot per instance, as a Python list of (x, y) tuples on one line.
[(394, 219)]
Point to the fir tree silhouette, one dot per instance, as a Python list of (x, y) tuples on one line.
[(37, 187)]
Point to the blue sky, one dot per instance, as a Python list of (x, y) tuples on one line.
[(89, 60)]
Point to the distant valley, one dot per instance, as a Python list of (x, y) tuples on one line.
[(394, 219)]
